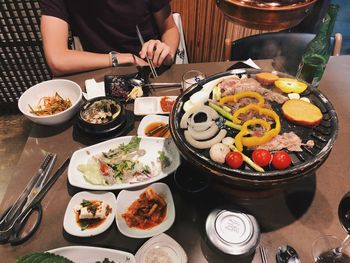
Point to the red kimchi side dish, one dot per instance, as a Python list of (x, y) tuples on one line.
[(147, 211)]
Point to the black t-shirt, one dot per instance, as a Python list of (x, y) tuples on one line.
[(106, 25)]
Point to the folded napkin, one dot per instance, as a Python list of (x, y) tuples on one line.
[(94, 89), (249, 63)]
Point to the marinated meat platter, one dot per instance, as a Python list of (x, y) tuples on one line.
[(254, 126)]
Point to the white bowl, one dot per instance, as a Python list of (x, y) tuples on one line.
[(126, 198), (69, 222), (64, 87)]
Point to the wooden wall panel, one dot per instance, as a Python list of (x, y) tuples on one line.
[(206, 29)]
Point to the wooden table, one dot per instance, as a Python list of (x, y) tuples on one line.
[(296, 216)]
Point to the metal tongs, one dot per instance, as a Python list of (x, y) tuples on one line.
[(16, 216)]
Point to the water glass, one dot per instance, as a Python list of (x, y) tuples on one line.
[(325, 250), (190, 78)]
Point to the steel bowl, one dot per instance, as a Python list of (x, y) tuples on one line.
[(266, 15), (303, 163)]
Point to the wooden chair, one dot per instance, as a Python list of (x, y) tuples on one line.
[(285, 48)]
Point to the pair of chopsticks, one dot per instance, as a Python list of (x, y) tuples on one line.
[(150, 62)]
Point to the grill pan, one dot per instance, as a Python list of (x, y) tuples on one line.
[(303, 163)]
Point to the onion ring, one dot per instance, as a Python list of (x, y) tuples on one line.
[(205, 144), (200, 126), (203, 135), (200, 108)]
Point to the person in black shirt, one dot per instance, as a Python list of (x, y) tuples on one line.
[(104, 26)]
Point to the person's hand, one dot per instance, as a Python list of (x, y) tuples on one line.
[(157, 51), (137, 61)]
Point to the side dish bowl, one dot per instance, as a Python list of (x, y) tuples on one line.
[(65, 88), (127, 197), (101, 115)]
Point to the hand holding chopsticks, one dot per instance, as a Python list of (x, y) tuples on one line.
[(150, 62)]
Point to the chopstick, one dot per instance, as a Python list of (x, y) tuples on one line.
[(150, 62), (263, 254)]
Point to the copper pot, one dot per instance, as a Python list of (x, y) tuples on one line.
[(264, 14)]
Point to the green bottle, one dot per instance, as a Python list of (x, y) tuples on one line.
[(317, 52)]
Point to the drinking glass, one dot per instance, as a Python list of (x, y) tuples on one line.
[(191, 77), (325, 249)]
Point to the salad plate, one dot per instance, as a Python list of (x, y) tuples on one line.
[(151, 105), (127, 197), (161, 247), (70, 223), (147, 120), (143, 160), (82, 254)]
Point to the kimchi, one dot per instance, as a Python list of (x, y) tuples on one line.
[(147, 211)]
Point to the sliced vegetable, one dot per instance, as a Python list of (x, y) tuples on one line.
[(233, 125), (241, 95), (220, 110), (257, 108), (205, 144), (195, 110), (266, 78), (203, 135), (234, 159), (302, 112), (261, 157), (289, 85), (281, 160)]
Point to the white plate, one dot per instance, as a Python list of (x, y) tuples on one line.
[(149, 105), (126, 198), (163, 245), (151, 144), (69, 221), (149, 119), (84, 254)]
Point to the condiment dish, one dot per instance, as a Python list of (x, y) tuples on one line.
[(148, 120), (70, 223), (161, 247), (127, 197)]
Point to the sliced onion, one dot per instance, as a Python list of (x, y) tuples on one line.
[(203, 135), (228, 141), (197, 109), (205, 144), (200, 126)]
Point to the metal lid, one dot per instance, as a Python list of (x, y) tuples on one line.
[(232, 232)]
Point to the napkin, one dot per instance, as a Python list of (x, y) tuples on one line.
[(94, 89), (249, 63)]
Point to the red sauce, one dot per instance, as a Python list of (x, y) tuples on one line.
[(157, 129), (166, 103), (147, 211)]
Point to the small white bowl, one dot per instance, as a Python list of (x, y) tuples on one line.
[(65, 88), (126, 198), (149, 119), (70, 224)]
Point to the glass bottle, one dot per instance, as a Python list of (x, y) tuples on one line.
[(317, 52)]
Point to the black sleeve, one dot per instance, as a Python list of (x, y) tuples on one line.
[(56, 8), (157, 5)]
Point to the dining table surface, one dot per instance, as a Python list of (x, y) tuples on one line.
[(296, 214)]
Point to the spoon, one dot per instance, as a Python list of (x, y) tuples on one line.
[(138, 82), (287, 254)]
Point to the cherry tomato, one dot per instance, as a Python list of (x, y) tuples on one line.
[(104, 169), (234, 159), (281, 160), (261, 157)]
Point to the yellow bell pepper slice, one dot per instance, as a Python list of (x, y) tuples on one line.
[(288, 85), (254, 107), (240, 95), (241, 140)]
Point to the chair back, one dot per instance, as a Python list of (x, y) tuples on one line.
[(22, 62), (285, 48)]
